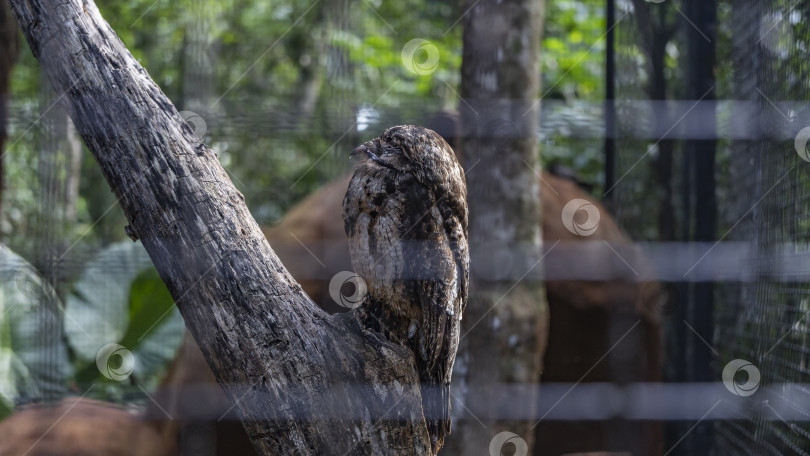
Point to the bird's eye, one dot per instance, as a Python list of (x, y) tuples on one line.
[(389, 150)]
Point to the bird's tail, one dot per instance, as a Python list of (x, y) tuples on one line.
[(436, 405)]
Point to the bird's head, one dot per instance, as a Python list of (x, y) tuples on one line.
[(411, 149)]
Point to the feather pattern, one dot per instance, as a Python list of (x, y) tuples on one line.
[(405, 213)]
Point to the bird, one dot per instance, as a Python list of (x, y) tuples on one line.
[(405, 213)]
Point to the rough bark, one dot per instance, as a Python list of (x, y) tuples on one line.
[(304, 382), (505, 325)]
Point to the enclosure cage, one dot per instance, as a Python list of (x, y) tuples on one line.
[(679, 328), (722, 177)]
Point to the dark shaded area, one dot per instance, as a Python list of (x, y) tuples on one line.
[(9, 49)]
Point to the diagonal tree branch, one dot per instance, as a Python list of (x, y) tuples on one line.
[(304, 382)]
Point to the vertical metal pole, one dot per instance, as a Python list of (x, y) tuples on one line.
[(701, 81), (610, 97)]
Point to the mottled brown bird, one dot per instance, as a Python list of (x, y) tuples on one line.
[(405, 213)]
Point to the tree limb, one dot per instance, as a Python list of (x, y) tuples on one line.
[(303, 382)]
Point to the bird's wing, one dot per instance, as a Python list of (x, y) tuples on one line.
[(440, 279), (438, 282)]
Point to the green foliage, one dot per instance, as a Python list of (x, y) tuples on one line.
[(243, 66), (287, 89), (572, 66), (33, 359), (120, 299), (45, 346), (573, 50)]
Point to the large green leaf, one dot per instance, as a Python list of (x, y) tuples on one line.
[(33, 357), (155, 329), (120, 299)]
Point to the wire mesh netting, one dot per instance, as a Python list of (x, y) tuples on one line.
[(758, 304), (766, 321), (708, 172)]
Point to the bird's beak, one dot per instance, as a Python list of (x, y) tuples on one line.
[(366, 149), (359, 150)]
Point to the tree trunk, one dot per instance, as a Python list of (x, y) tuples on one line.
[(304, 382), (9, 49), (505, 325), (656, 32), (307, 44), (58, 149), (73, 169)]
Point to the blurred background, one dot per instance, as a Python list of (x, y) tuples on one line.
[(684, 123)]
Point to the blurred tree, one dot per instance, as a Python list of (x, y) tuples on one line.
[(505, 324), (657, 27), (9, 49)]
